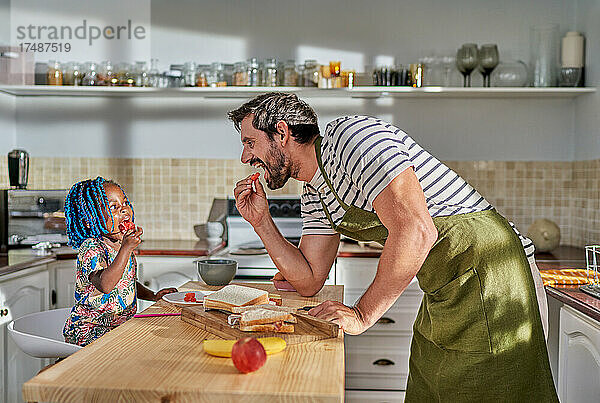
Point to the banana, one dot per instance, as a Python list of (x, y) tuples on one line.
[(222, 348)]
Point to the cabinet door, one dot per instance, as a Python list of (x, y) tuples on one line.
[(157, 272), (21, 296), (579, 358), (65, 283)]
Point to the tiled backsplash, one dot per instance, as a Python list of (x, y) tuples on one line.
[(171, 195)]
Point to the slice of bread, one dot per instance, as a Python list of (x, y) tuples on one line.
[(261, 316), (234, 296), (286, 309), (277, 327)]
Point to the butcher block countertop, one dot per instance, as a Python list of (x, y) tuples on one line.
[(161, 359)]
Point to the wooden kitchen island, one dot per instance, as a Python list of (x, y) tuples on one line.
[(161, 359)]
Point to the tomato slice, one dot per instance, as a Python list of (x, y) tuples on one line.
[(255, 177), (126, 226)]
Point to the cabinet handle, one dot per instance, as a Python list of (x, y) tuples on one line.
[(385, 321), (53, 298), (384, 362), (146, 283)]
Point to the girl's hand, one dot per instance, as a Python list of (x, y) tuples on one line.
[(159, 294), (132, 238), (252, 205)]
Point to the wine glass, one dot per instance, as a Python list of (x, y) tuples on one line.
[(488, 60), (466, 61)]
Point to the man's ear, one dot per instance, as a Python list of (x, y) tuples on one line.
[(284, 132)]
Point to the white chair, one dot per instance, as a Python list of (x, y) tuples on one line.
[(40, 334)]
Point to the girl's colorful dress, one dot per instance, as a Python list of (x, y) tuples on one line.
[(95, 313)]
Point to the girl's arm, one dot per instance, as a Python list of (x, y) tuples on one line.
[(105, 280), (149, 295)]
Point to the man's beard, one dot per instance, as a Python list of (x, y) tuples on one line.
[(280, 168)]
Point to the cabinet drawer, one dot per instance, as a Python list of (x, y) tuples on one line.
[(373, 396), (399, 318), (363, 358), (377, 382)]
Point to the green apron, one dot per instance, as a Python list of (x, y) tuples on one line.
[(478, 335)]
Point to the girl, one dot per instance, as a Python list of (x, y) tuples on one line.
[(99, 221)]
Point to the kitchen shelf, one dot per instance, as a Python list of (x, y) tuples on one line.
[(247, 92)]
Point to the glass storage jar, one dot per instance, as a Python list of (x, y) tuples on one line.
[(154, 74), (290, 75), (270, 73), (55, 74), (90, 77), (311, 73), (141, 74), (254, 72), (240, 74), (189, 74)]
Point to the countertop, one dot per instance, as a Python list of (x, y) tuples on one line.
[(569, 257), (562, 257), (19, 259), (168, 352)]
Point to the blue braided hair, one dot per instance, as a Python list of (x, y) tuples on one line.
[(84, 210)]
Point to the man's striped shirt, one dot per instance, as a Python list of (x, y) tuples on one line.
[(361, 155)]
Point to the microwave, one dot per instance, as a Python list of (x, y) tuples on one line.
[(28, 217)]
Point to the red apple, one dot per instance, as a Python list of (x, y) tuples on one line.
[(248, 355)]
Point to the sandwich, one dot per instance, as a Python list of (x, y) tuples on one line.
[(263, 319), (232, 296)]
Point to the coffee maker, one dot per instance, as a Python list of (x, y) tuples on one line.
[(18, 168)]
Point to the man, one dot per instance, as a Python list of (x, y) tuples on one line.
[(478, 335)]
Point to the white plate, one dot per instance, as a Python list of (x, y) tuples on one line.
[(177, 297)]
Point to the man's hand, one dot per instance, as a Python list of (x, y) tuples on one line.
[(252, 205), (349, 319), (163, 292)]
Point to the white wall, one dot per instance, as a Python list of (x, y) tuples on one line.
[(357, 32), (4, 21), (7, 124), (587, 116)]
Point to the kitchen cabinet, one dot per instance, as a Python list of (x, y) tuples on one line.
[(378, 358), (21, 293), (157, 272), (579, 357), (64, 275)]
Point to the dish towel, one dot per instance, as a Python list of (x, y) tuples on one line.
[(566, 276)]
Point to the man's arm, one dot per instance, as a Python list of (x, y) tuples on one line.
[(401, 207), (305, 267)]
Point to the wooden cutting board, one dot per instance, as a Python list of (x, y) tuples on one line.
[(307, 329)]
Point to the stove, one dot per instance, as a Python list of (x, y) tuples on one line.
[(244, 245)]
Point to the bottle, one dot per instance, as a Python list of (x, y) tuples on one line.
[(154, 76), (55, 74)]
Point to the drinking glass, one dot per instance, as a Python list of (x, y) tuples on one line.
[(466, 61), (488, 60)]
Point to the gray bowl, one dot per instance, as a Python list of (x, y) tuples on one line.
[(217, 271)]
